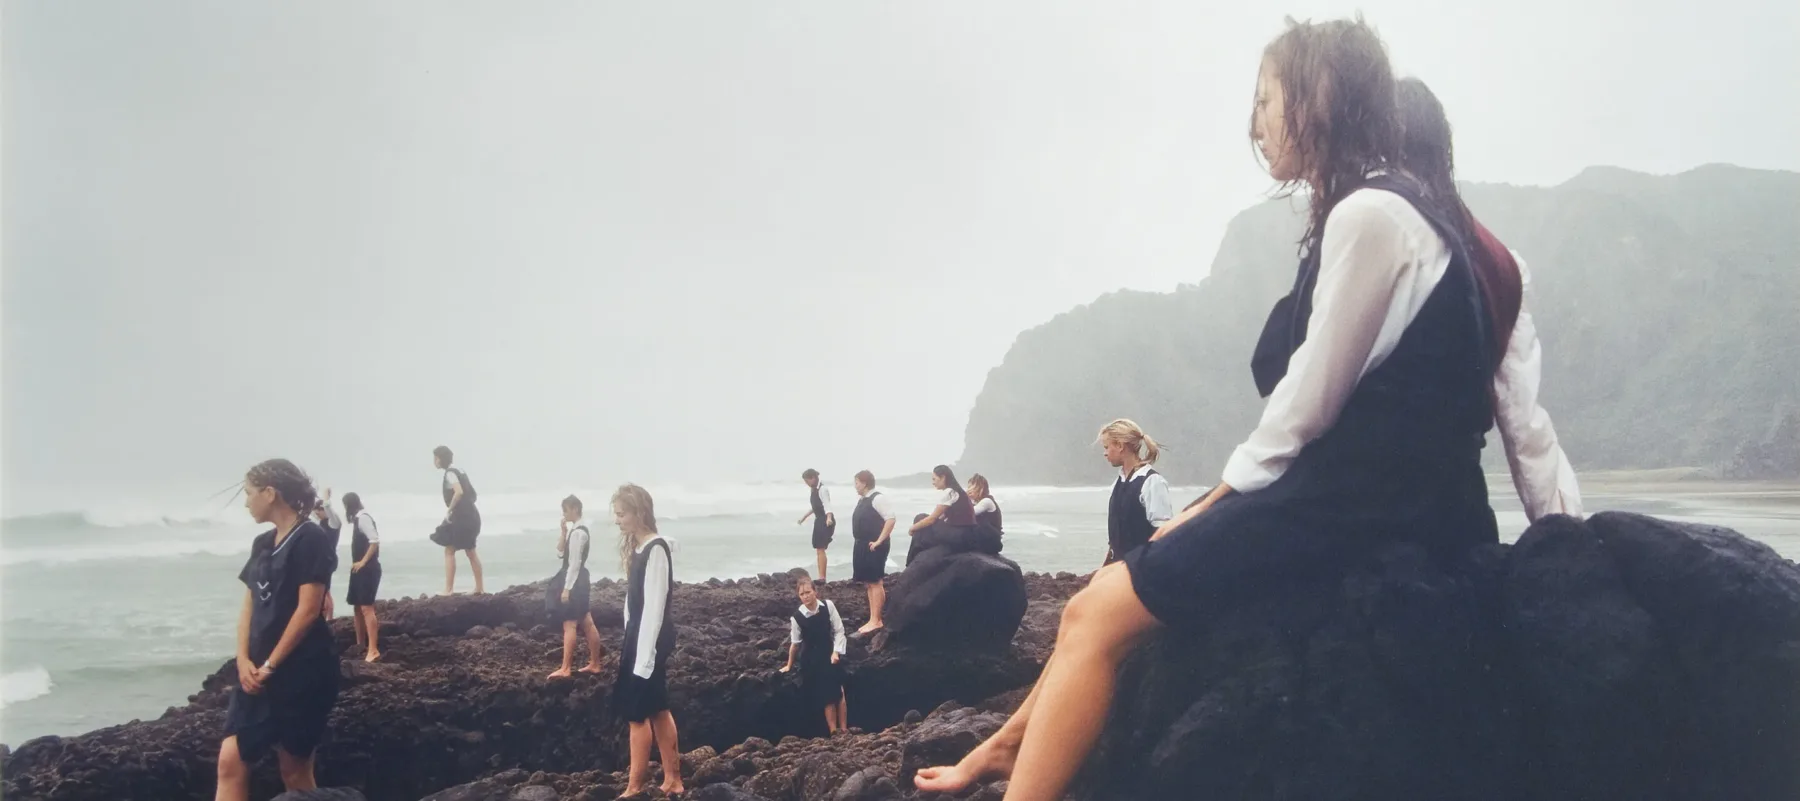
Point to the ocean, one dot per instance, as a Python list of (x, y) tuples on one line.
[(108, 616)]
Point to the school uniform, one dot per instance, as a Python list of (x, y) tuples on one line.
[(295, 702), (823, 531), (952, 530), (1139, 506), (573, 578), (819, 633), (365, 582), (1379, 371), (873, 511), (463, 525), (989, 531), (642, 687)]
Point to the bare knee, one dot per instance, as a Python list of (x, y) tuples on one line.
[(296, 772), (232, 769)]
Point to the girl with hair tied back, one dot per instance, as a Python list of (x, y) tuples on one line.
[(1378, 369), (287, 668), (1140, 496)]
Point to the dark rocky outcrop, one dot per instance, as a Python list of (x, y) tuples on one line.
[(953, 600), (462, 694)]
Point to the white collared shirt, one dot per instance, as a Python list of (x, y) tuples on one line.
[(839, 642)]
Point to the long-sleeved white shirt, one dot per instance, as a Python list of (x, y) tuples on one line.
[(839, 642), (656, 605), (1379, 262), (578, 553), (1154, 495)]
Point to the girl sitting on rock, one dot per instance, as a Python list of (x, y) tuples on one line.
[(641, 694), (990, 528), (287, 666), (566, 596), (1379, 369), (816, 633), (949, 524)]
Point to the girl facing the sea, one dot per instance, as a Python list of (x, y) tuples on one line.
[(641, 693), (1378, 369), (365, 576), (1140, 495), (462, 520), (287, 668), (566, 596), (989, 533), (816, 634), (950, 521)]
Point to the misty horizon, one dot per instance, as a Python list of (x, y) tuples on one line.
[(586, 244)]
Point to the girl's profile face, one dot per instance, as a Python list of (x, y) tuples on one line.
[(974, 491), (937, 482), (626, 521), (1269, 126), (1115, 452), (260, 501)]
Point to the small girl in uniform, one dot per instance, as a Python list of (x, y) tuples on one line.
[(566, 598), (287, 668), (820, 641), (365, 575), (1140, 497), (641, 694)]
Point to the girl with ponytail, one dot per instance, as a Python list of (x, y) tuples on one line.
[(1140, 496)]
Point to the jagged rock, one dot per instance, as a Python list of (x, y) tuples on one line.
[(960, 601), (946, 736), (722, 792), (1624, 657), (461, 694), (321, 794)]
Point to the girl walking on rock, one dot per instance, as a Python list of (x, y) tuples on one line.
[(641, 693)]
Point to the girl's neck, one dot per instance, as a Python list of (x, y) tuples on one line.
[(285, 520), (1131, 465), (814, 606)]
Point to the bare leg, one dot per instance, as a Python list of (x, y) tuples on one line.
[(234, 775), (568, 650), (296, 772), (821, 552), (994, 757), (640, 758), (475, 567), (593, 638), (666, 737), (843, 710), (877, 600), (449, 571), (373, 627), (1100, 627), (356, 619)]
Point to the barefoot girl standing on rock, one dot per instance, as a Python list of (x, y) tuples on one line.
[(287, 668), (365, 575), (462, 520), (641, 694), (566, 597), (1379, 371)]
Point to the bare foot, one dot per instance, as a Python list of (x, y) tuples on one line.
[(629, 792), (591, 667), (673, 789), (561, 673), (869, 628), (990, 760), (374, 656)]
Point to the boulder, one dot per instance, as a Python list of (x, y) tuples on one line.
[(948, 600)]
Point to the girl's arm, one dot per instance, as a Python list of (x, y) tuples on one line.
[(374, 536), (793, 648), (1540, 470), (247, 677), (887, 530), (312, 602), (929, 519), (578, 552), (804, 517), (373, 547), (1157, 506), (1194, 509), (793, 644), (839, 643)]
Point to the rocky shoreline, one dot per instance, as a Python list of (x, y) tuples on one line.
[(1621, 657)]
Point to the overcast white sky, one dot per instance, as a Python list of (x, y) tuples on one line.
[(582, 242)]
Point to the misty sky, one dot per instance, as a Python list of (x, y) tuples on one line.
[(586, 242)]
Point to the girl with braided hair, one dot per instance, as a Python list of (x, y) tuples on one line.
[(287, 667)]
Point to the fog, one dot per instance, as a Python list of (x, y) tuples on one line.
[(583, 243)]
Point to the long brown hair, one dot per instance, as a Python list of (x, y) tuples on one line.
[(1427, 153), (1338, 110)]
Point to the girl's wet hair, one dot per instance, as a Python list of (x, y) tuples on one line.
[(636, 501), (1339, 109), (288, 481), (943, 471), (1427, 154), (352, 504), (980, 482)]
